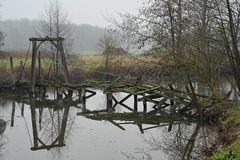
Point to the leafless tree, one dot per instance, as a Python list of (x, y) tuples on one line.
[(181, 28), (56, 23), (108, 46), (228, 20)]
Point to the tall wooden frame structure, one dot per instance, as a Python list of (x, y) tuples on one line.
[(58, 44)]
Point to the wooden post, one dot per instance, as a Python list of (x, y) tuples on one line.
[(21, 73), (13, 113), (12, 70), (59, 94), (83, 98), (39, 66), (135, 103), (64, 63), (64, 125), (144, 105), (33, 67), (0, 62), (80, 95), (34, 124), (40, 118), (22, 110), (109, 101)]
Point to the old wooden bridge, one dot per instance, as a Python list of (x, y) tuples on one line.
[(163, 97)]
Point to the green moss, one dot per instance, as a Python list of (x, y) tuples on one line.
[(231, 152), (232, 118)]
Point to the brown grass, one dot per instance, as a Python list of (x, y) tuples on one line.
[(84, 67)]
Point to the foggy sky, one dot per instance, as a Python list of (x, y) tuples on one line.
[(92, 12)]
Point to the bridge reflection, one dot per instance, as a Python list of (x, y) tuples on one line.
[(52, 119)]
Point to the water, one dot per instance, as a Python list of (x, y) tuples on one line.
[(36, 133)]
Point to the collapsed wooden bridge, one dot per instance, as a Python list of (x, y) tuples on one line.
[(162, 97), (165, 99)]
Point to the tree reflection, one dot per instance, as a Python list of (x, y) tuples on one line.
[(184, 142), (2, 130)]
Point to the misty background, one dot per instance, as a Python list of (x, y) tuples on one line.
[(18, 32), (19, 22)]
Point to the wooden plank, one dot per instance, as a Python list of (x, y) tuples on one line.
[(127, 107), (113, 83), (116, 124)]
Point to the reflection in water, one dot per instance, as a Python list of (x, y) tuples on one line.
[(3, 125), (50, 123), (183, 142), (2, 130), (52, 119)]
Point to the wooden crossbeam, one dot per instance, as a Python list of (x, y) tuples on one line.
[(46, 39), (92, 93)]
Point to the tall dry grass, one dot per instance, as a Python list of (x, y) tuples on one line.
[(85, 67)]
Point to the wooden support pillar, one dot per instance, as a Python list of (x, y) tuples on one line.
[(135, 103), (21, 73), (33, 67), (34, 124), (83, 99), (0, 66), (56, 61), (12, 70), (59, 94), (144, 104), (22, 110), (109, 101), (40, 118), (64, 63), (64, 125), (80, 95), (13, 113), (39, 66), (171, 101)]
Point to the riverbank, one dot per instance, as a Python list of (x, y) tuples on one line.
[(148, 68), (231, 151)]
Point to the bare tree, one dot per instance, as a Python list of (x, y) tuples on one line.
[(228, 20), (56, 23), (2, 36), (108, 46), (181, 28)]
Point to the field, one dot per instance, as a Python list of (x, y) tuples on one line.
[(85, 67)]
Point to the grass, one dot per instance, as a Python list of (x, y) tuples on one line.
[(232, 151), (89, 66)]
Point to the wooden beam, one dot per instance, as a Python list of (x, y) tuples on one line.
[(135, 102), (46, 39), (33, 67), (64, 63), (109, 101)]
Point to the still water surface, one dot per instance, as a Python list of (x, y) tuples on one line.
[(81, 138)]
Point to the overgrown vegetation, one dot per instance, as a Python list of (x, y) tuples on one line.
[(231, 122)]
